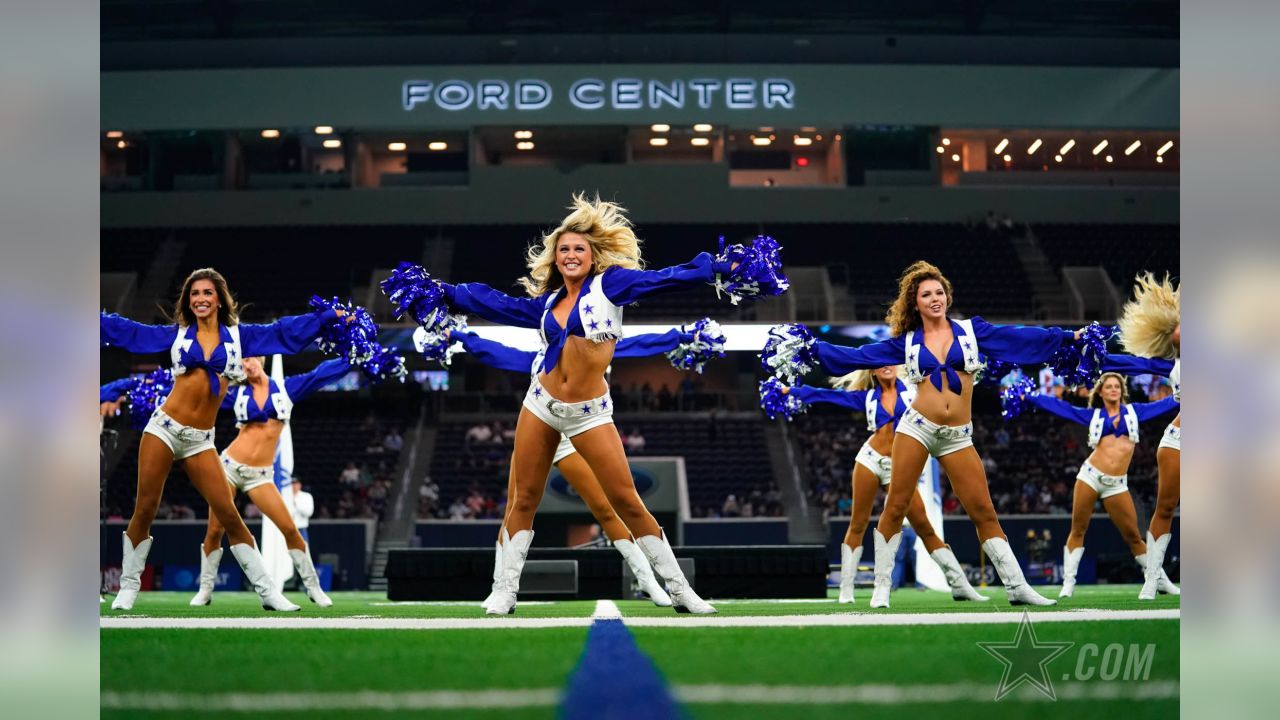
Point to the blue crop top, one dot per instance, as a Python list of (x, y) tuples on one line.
[(1101, 424), (279, 405), (864, 401), (504, 357)]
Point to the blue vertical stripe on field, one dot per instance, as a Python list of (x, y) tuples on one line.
[(615, 681)]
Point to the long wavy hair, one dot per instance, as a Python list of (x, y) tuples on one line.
[(862, 379), (607, 230), (1148, 320), (1095, 393), (228, 310), (903, 314)]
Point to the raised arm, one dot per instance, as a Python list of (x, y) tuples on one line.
[(1020, 344), (624, 286), (1146, 411), (483, 301), (852, 399), (1062, 408), (840, 359), (495, 354), (114, 390), (300, 386), (288, 335), (1135, 365), (121, 332), (651, 344)]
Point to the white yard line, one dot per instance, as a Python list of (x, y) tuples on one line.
[(852, 619), (607, 610), (881, 694)]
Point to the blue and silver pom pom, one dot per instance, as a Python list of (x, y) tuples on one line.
[(777, 404), (994, 371), (384, 364), (759, 270), (147, 393), (789, 353), (705, 343), (413, 292), (1079, 362), (435, 345), (351, 338), (1014, 397)]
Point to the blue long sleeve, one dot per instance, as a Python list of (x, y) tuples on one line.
[(495, 354), (121, 332), (1146, 411), (287, 336), (1136, 365), (114, 389), (1062, 408), (649, 344), (1020, 344), (624, 286), (481, 300), (839, 359), (300, 386), (852, 399)]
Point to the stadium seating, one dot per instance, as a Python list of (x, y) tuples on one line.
[(1124, 250)]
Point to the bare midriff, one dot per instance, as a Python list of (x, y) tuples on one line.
[(945, 407), (579, 373), (1177, 422), (255, 444), (1112, 455), (190, 402)]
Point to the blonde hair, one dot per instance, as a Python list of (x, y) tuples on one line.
[(228, 310), (903, 314), (606, 229), (862, 379), (1095, 393), (1148, 320)]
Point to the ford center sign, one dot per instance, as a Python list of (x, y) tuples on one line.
[(595, 94)]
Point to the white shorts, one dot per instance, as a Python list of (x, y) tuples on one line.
[(246, 477), (183, 441), (569, 419), (879, 465), (564, 450), (1172, 437), (1104, 485), (938, 439)]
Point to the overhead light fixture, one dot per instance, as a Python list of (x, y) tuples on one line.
[(1057, 158), (760, 141), (438, 145), (802, 141), (332, 144), (819, 137), (524, 134), (955, 157), (699, 141), (396, 146), (113, 134), (808, 129), (660, 127), (702, 127), (766, 129), (946, 141), (1067, 147), (941, 149), (1133, 147), (270, 133), (657, 142), (122, 144), (324, 130), (1110, 159), (1034, 147), (1008, 157), (526, 145), (1159, 158), (1099, 147), (1003, 144), (1164, 148)]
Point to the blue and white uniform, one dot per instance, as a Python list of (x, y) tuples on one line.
[(1100, 424), (1172, 369), (597, 317), (868, 402), (287, 335), (114, 390), (503, 357), (974, 338), (278, 406)]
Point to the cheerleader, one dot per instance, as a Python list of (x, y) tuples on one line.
[(262, 407), (941, 356), (207, 345), (567, 460), (884, 398), (1113, 433), (1151, 329), (581, 275)]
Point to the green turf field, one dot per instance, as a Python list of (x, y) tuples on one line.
[(753, 660)]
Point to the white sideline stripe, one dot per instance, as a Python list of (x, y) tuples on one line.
[(872, 694), (854, 619), (606, 610)]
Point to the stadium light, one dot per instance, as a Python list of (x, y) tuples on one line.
[(526, 145), (1164, 148), (1008, 157), (1003, 144), (658, 142), (524, 134), (1057, 158), (955, 157), (1067, 147), (699, 142), (1159, 158), (802, 141), (1130, 150), (1034, 147), (270, 133), (1099, 147), (1110, 159), (122, 144), (324, 130), (113, 134), (332, 144), (396, 146), (946, 141), (808, 129), (702, 127), (941, 149), (438, 145), (760, 141), (660, 127)]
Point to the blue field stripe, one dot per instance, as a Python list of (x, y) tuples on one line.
[(615, 681)]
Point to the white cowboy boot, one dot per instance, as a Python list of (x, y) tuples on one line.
[(1010, 572), (208, 577), (886, 555), (640, 567), (1154, 570), (683, 598), (1164, 585), (251, 562), (849, 558), (310, 580), (497, 572), (959, 582), (131, 567), (514, 551), (1070, 565)]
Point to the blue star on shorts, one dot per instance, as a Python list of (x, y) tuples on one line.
[(586, 409)]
